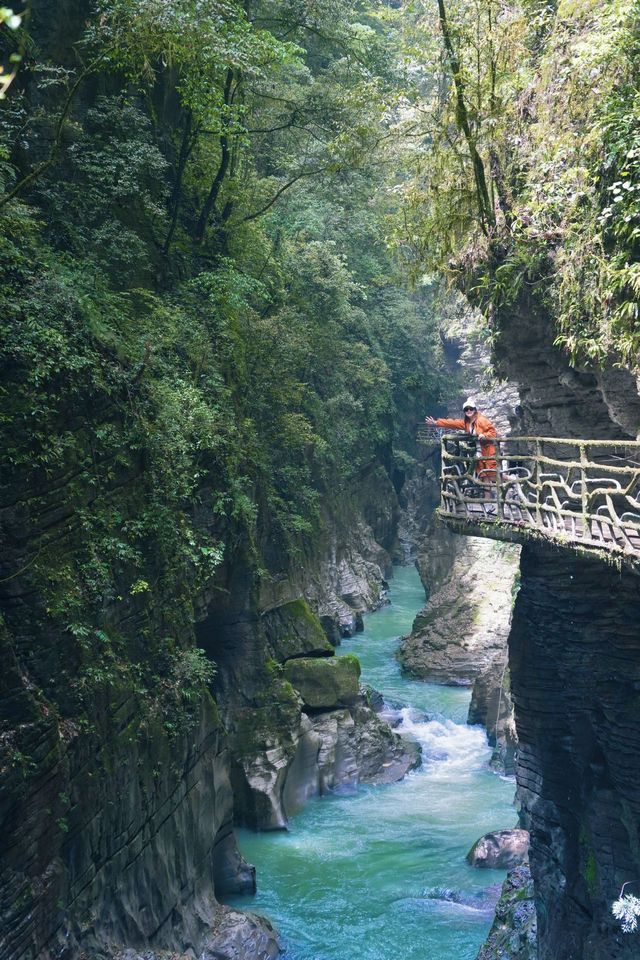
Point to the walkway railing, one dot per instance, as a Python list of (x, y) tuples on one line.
[(581, 491)]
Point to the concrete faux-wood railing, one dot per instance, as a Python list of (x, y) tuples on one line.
[(583, 494)]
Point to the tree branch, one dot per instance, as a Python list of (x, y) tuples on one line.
[(44, 166), (278, 194), (189, 139), (485, 207), (225, 157)]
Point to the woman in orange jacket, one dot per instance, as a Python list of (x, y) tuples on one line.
[(478, 426)]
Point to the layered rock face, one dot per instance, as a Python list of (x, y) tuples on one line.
[(492, 707), (559, 400), (575, 662), (463, 628), (346, 574), (118, 835), (298, 723), (574, 665), (117, 810)]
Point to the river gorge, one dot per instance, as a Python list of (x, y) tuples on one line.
[(384, 867), (249, 250)]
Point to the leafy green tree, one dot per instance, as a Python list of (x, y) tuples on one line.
[(206, 341)]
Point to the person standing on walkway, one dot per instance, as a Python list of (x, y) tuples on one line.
[(479, 426)]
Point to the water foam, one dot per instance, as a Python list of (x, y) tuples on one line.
[(449, 750)]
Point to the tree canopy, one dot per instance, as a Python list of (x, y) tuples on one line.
[(207, 336), (529, 181)]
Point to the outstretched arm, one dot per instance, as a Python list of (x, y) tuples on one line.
[(452, 424)]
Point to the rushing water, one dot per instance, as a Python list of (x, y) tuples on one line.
[(380, 874)]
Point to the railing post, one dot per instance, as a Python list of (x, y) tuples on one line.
[(499, 503), (586, 529), (536, 474)]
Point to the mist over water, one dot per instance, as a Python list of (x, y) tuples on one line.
[(379, 873)]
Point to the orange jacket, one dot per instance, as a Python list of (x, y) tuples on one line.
[(481, 425)]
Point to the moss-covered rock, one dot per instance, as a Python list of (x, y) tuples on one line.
[(325, 683), (513, 935), (273, 718), (294, 630)]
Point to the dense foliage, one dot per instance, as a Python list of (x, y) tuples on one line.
[(538, 101), (204, 336)]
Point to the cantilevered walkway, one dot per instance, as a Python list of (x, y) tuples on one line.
[(581, 494)]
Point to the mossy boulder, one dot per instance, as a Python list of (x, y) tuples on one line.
[(274, 718), (325, 683), (294, 630)]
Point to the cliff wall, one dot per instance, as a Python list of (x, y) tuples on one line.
[(197, 430), (575, 668), (574, 661), (122, 776)]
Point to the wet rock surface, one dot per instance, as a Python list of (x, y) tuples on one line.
[(233, 936), (328, 750), (492, 707), (513, 934), (500, 850), (357, 746), (462, 631)]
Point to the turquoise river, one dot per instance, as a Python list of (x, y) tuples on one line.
[(380, 873)]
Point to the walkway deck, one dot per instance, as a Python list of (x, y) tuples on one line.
[(583, 494)]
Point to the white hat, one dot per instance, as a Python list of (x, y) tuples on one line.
[(470, 402)]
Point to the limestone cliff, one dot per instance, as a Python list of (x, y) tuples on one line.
[(287, 746), (116, 830), (574, 662), (575, 655)]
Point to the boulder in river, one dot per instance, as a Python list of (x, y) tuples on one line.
[(325, 683), (241, 936), (500, 850), (234, 935), (357, 746)]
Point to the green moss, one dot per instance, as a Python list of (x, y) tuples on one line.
[(273, 719), (351, 659), (294, 629), (327, 682), (589, 866), (300, 609)]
